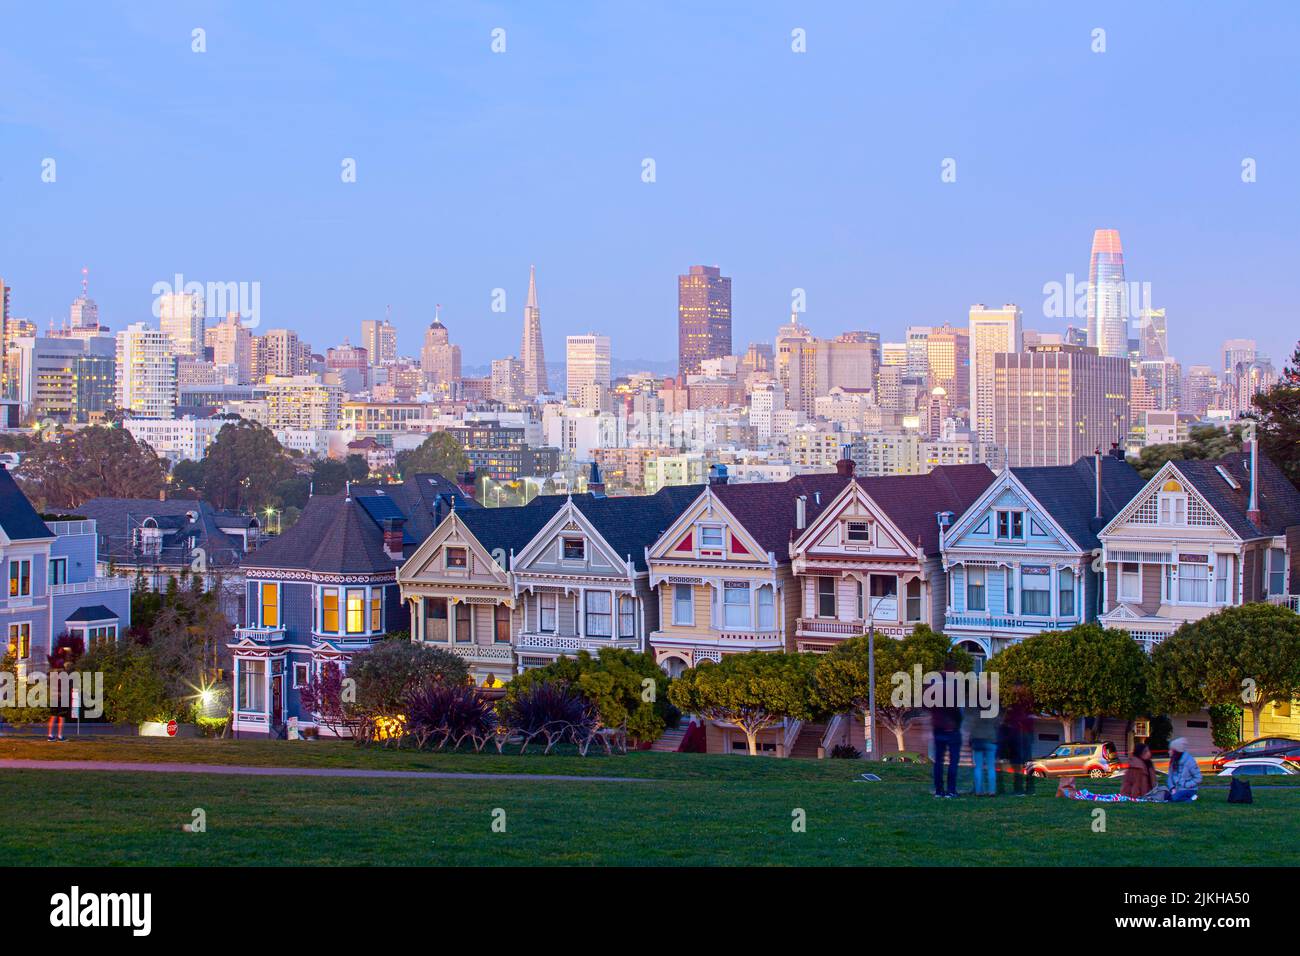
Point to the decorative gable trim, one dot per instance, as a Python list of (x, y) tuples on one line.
[(1149, 497), (836, 511)]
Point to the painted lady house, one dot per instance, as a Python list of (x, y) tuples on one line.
[(722, 569), (1201, 536), (1020, 559), (325, 590), (51, 584), (583, 582), (459, 588), (872, 557)]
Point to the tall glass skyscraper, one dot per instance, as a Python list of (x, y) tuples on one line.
[(1107, 295)]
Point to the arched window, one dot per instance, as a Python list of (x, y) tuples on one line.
[(1173, 504)]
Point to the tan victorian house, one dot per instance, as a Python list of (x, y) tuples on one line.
[(722, 569)]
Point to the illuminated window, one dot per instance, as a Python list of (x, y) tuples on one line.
[(1173, 504), (20, 640), (356, 608), (329, 610), (270, 605), (20, 577)]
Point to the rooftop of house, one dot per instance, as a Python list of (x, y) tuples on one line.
[(913, 502), (1069, 494), (18, 519), (768, 512), (185, 524), (1278, 499)]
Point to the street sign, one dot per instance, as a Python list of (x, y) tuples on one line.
[(171, 728)]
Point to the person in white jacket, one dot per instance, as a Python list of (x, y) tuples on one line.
[(1184, 775)]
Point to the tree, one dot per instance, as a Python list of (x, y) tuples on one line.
[(95, 462), (328, 476), (186, 480), (1086, 671), (1203, 441), (358, 468), (755, 691), (243, 466), (842, 679), (386, 671), (629, 689), (133, 688), (1247, 655), (291, 493), (440, 454), (1278, 411)]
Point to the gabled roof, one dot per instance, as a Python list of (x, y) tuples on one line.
[(631, 524), (510, 529), (424, 499), (17, 516), (913, 502), (1068, 493), (1278, 499), (94, 612), (185, 523), (767, 510)]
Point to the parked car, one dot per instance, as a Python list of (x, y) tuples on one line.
[(1258, 767), (1260, 747), (1076, 760)]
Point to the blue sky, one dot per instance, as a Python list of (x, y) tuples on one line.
[(818, 171)]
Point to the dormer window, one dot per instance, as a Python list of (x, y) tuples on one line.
[(711, 537), (857, 532), (1011, 525), (573, 549), (1173, 504)]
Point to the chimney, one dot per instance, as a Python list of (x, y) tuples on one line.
[(1252, 510), (595, 483), (801, 512), (718, 474), (846, 465), (393, 537), (1096, 467), (945, 522)]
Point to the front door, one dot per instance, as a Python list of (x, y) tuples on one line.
[(277, 698)]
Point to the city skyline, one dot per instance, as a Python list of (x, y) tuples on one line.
[(873, 237)]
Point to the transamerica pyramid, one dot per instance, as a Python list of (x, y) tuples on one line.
[(531, 354)]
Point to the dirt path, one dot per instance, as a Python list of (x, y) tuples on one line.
[(126, 766)]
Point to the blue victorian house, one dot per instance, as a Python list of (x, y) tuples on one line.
[(1025, 557), (326, 589)]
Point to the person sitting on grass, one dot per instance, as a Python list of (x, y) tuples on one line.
[(1140, 777), (1184, 775)]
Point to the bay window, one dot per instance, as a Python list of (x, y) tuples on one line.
[(329, 610), (767, 608), (598, 618), (1065, 595), (976, 599), (501, 624), (914, 600), (1035, 591), (1222, 578), (377, 610), (270, 604), (735, 606), (1193, 583), (683, 604), (546, 604), (1276, 571), (356, 610), (626, 616), (252, 685), (464, 623), (1130, 581)]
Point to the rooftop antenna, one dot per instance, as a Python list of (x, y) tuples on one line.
[(85, 282)]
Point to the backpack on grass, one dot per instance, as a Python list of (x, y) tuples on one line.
[(1239, 791)]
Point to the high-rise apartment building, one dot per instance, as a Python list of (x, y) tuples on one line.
[(146, 372), (1238, 352), (1153, 336), (947, 352), (992, 332), (703, 317), (587, 366), (507, 379), (180, 315), (301, 402), (1056, 403), (7, 385), (440, 359), (280, 352), (379, 339), (1107, 295), (47, 377), (232, 350), (1199, 390), (532, 354)]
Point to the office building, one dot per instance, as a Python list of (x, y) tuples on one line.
[(1107, 296), (992, 332), (703, 317)]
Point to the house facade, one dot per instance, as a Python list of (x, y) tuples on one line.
[(52, 586), (1198, 537), (873, 558), (722, 569), (1020, 559), (325, 590)]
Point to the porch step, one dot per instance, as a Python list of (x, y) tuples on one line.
[(809, 739)]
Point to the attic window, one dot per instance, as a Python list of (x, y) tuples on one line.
[(574, 549), (457, 558), (1233, 483), (1173, 504), (710, 538), (858, 531)]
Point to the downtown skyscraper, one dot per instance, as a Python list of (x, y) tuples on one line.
[(1107, 295), (703, 317), (532, 356), (992, 332)]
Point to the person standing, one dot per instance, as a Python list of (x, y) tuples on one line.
[(1017, 737), (1184, 775), (983, 735), (945, 723)]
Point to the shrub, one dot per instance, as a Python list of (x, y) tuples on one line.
[(441, 714), (554, 711), (212, 726), (845, 752)]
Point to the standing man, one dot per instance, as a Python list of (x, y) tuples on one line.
[(945, 723)]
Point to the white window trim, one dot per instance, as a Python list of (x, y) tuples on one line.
[(689, 606), (31, 584)]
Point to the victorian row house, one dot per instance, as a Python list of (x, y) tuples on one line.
[(52, 585), (326, 589), (1024, 557)]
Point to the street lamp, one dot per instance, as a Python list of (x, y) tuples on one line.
[(871, 672)]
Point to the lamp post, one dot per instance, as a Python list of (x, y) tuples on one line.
[(871, 673)]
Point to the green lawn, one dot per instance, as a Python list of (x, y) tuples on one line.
[(694, 809)]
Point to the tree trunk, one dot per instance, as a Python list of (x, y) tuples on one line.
[(1067, 725), (752, 737), (898, 737), (1256, 709)]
